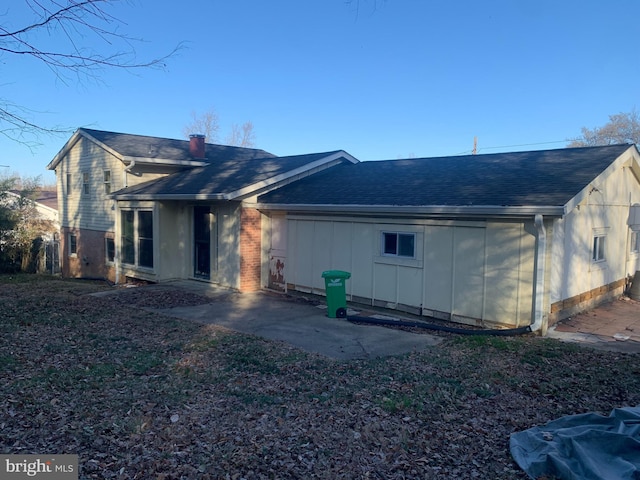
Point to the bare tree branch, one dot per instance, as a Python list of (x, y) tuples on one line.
[(621, 128), (242, 136), (72, 23), (208, 124)]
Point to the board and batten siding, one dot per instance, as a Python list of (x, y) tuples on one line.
[(471, 272)]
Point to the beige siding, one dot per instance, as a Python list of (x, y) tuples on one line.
[(363, 245), (87, 210), (509, 276), (604, 211), (174, 240), (468, 271), (438, 268), (93, 210), (226, 234)]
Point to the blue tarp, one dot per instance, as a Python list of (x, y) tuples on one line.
[(582, 447)]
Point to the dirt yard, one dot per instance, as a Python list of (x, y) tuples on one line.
[(138, 396)]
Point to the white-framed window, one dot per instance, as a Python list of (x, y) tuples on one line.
[(86, 186), (136, 237), (398, 244), (107, 181), (68, 185), (72, 241), (110, 250), (598, 252), (634, 242)]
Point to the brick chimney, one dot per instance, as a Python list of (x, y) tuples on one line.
[(196, 145)]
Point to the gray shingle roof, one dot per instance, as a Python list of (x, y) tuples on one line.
[(535, 178), (142, 146), (222, 176)]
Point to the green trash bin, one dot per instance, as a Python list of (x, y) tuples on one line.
[(334, 282)]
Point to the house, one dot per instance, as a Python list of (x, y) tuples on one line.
[(508, 239), (40, 212), (155, 209)]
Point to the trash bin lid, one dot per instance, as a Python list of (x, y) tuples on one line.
[(335, 274)]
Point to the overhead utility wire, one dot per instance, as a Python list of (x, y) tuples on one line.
[(513, 146)]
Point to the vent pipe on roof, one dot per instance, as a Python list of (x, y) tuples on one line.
[(196, 145)]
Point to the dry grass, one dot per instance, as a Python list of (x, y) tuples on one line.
[(137, 395)]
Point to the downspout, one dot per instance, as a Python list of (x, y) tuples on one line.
[(539, 317), (127, 170)]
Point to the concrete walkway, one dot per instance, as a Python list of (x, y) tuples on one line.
[(613, 326), (299, 323)]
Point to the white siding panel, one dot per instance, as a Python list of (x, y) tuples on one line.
[(509, 276), (173, 228), (438, 265), (410, 286), (385, 282), (468, 271), (341, 258), (228, 250), (303, 242), (322, 247), (363, 244)]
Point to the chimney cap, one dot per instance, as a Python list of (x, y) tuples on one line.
[(197, 135)]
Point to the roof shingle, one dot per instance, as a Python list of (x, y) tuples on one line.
[(535, 178)]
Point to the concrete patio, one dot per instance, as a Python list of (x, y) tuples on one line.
[(612, 326)]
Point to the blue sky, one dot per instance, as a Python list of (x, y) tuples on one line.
[(380, 79)]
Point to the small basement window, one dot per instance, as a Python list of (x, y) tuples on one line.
[(396, 244), (73, 244), (110, 250), (597, 254)]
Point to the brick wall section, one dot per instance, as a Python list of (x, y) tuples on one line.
[(89, 262), (250, 249), (586, 301)]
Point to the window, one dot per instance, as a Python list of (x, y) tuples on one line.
[(145, 239), (110, 250), (68, 180), (85, 183), (137, 237), (399, 244), (107, 182), (73, 244), (126, 238), (634, 243), (598, 248)]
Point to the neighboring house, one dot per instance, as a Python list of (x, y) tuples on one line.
[(44, 208), (507, 239), (45, 203)]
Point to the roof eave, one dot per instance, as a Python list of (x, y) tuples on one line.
[(169, 196), (629, 155), (164, 161), (434, 210), (64, 150)]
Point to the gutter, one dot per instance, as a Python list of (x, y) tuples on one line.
[(539, 317), (442, 210), (164, 161)]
